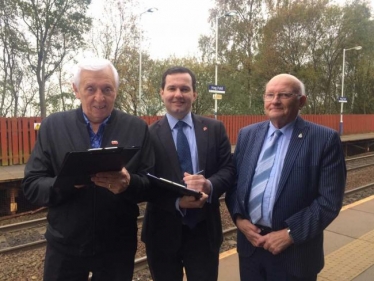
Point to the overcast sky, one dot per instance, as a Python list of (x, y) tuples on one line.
[(174, 29)]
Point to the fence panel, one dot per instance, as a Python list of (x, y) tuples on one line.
[(18, 136)]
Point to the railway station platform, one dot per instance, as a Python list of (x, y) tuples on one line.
[(348, 246), (15, 172), (11, 173)]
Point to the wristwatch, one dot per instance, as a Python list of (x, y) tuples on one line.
[(289, 233)]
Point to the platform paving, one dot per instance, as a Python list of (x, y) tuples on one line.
[(11, 173), (348, 246)]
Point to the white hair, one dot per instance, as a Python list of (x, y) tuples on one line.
[(94, 64)]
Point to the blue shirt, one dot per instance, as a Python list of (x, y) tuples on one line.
[(275, 174), (95, 139)]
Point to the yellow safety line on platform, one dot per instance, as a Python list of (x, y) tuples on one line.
[(357, 203), (227, 253), (349, 261)]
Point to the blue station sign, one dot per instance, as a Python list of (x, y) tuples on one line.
[(342, 99), (216, 89)]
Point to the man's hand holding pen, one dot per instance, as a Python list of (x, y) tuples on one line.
[(199, 183)]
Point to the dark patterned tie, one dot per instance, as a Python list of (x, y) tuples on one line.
[(183, 149), (185, 162), (261, 177)]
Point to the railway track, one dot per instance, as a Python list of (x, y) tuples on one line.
[(40, 224), (359, 172), (359, 162)]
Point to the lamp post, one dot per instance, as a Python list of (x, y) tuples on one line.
[(150, 10), (342, 94), (227, 14)]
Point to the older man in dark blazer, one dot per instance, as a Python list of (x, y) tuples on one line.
[(185, 232), (301, 195)]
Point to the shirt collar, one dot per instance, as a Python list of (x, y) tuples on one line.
[(88, 121), (286, 130), (173, 121)]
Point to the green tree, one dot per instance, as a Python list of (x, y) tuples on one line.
[(11, 67), (358, 25), (237, 47), (51, 30)]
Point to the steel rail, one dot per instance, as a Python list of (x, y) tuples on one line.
[(359, 167), (22, 225), (140, 263), (359, 157)]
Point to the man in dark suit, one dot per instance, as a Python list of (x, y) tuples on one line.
[(280, 235), (184, 232)]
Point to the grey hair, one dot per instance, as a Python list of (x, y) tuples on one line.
[(94, 64), (302, 88), (297, 81)]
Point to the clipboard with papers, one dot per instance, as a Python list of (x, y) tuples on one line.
[(173, 186), (80, 165)]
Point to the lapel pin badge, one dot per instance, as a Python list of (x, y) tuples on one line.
[(300, 135), (205, 128), (114, 142)]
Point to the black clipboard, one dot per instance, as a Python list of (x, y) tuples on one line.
[(173, 186), (80, 165)]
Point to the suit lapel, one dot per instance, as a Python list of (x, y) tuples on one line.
[(298, 137), (166, 140), (201, 134)]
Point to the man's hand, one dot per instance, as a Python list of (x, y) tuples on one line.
[(115, 182), (277, 241), (250, 231), (197, 182), (190, 202)]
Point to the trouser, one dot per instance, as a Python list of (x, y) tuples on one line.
[(194, 255), (113, 266), (264, 266)]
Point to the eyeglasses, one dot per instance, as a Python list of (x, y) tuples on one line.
[(282, 96)]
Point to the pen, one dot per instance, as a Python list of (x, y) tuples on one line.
[(198, 173)]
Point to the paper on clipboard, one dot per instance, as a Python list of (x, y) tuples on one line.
[(173, 186), (80, 165)]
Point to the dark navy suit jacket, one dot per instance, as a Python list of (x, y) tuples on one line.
[(310, 190), (162, 222)]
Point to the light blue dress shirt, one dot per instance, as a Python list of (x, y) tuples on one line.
[(189, 131), (275, 174)]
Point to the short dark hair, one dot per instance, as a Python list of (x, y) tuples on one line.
[(178, 69)]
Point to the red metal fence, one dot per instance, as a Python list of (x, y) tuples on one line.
[(18, 135)]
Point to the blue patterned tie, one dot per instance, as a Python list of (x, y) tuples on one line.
[(261, 177), (185, 162), (183, 149)]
